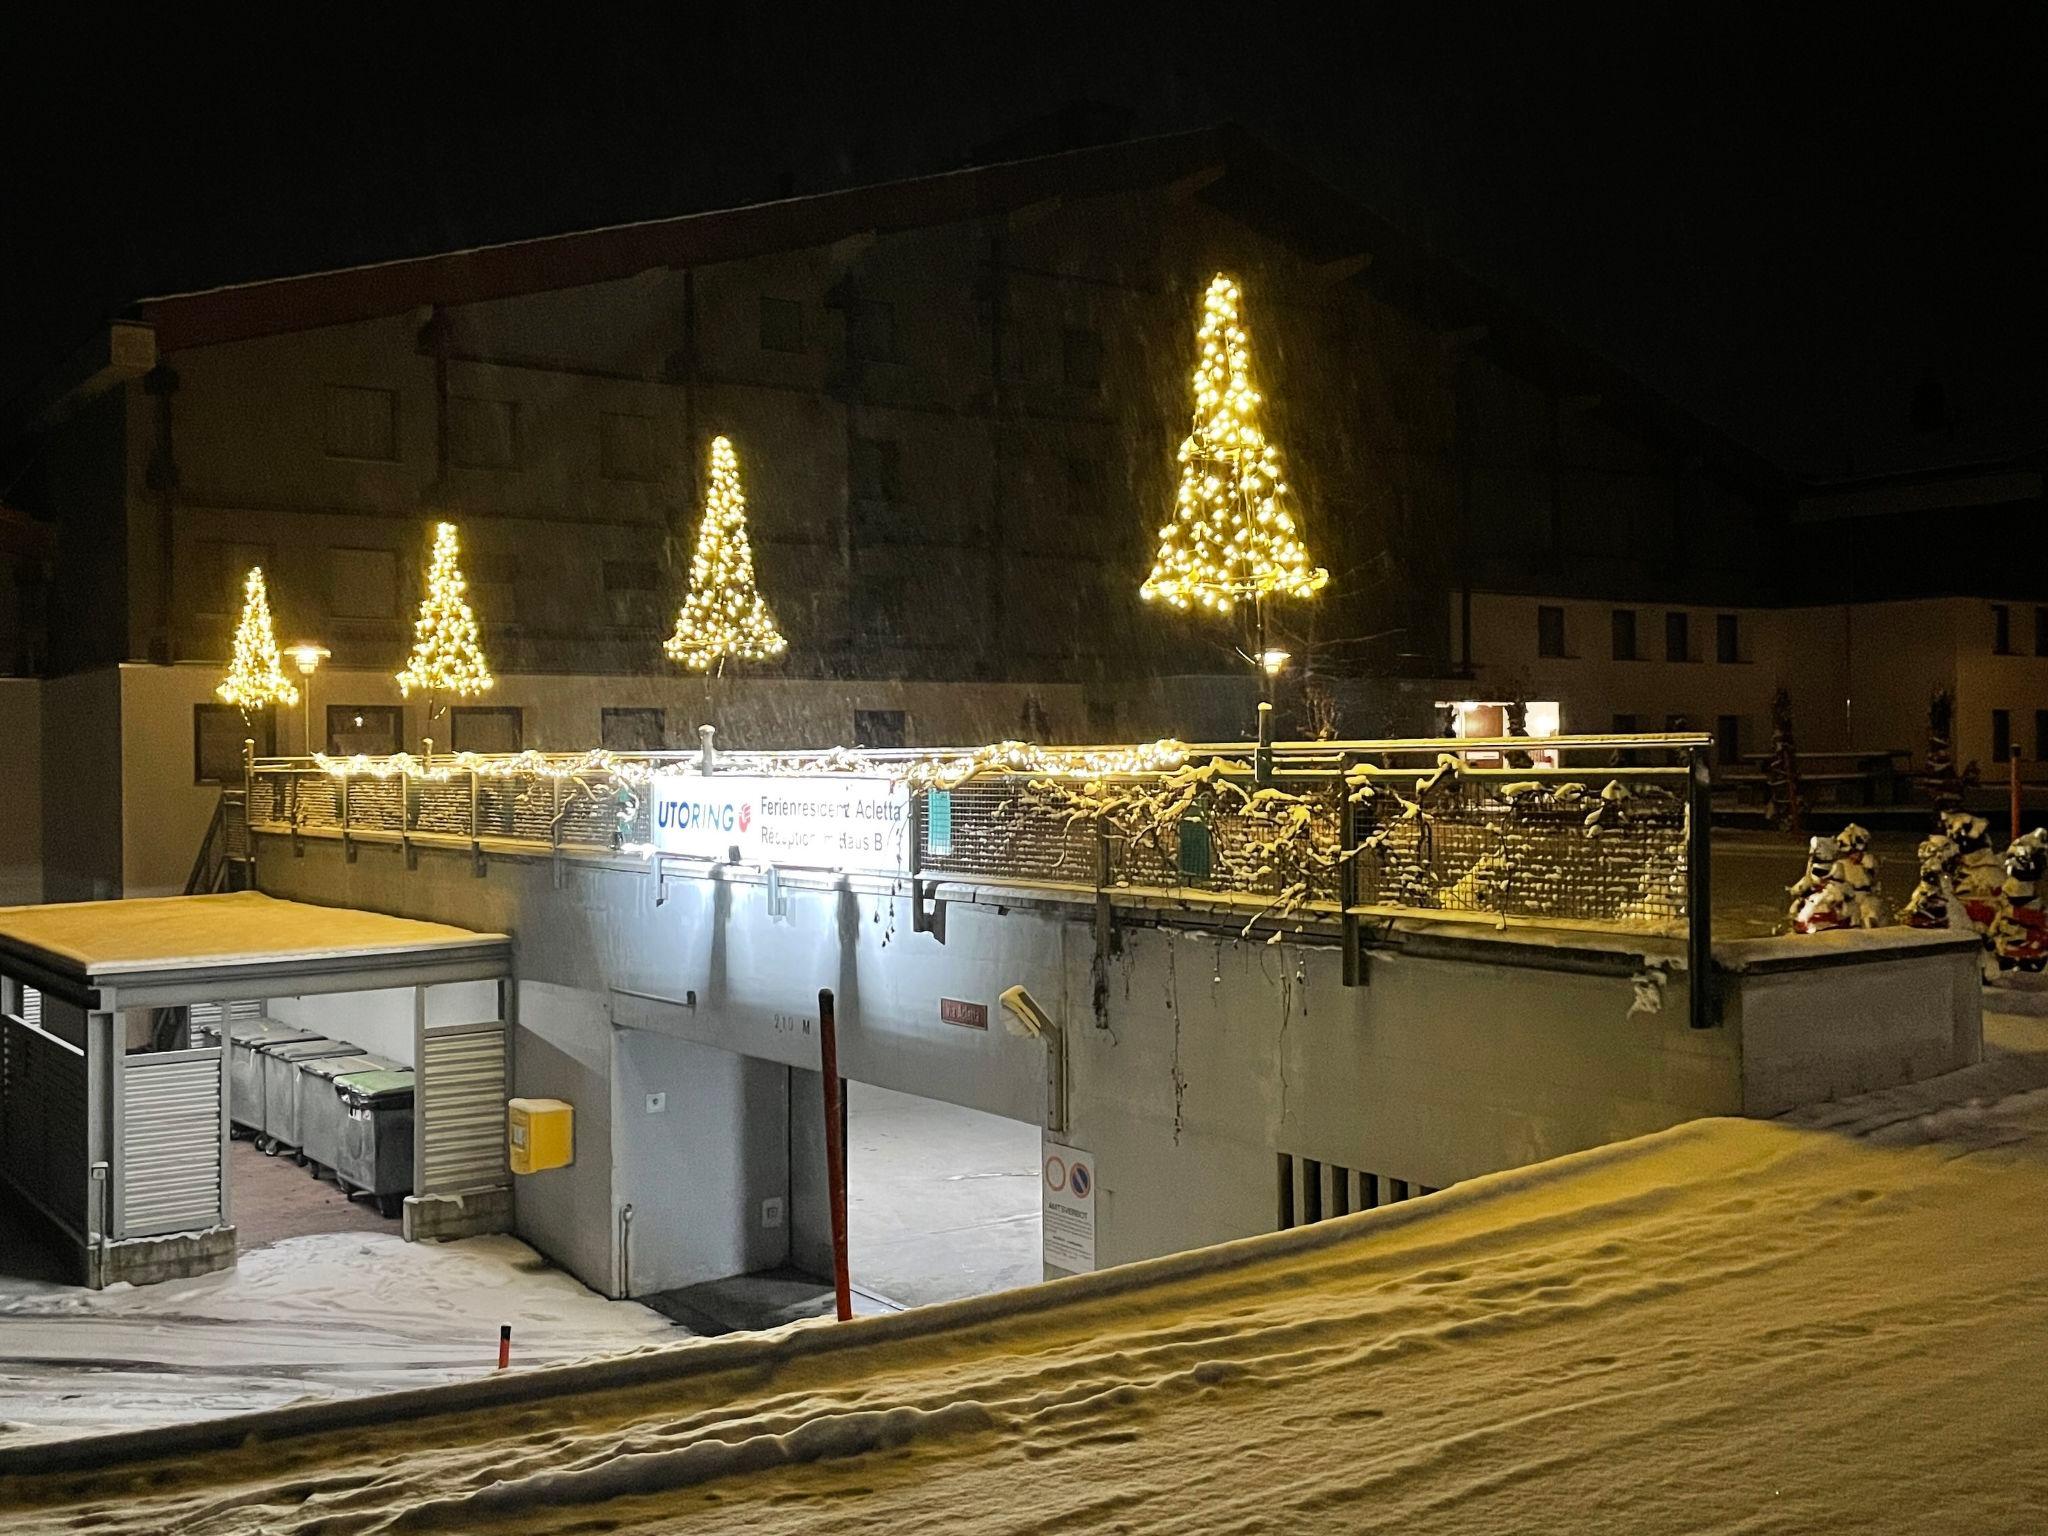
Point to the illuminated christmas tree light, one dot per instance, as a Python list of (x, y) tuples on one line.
[(1232, 538), (447, 657), (724, 618), (255, 677)]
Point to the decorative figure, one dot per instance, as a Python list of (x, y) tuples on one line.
[(1821, 899), (1978, 876), (1859, 874), (2019, 936), (1933, 903), (1781, 772)]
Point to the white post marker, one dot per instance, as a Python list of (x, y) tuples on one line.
[(1067, 1190)]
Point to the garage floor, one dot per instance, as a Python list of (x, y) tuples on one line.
[(942, 1202), (270, 1198)]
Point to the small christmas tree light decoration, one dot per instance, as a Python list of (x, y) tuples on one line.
[(724, 617), (255, 677), (1232, 538), (447, 659)]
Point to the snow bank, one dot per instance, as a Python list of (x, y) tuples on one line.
[(1829, 1323)]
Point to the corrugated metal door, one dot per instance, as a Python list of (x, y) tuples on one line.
[(167, 1175), (460, 1110), (43, 1120)]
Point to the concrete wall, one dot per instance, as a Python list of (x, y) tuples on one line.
[(84, 830), (381, 1022), (1827, 1016), (562, 1049), (698, 1170), (21, 770)]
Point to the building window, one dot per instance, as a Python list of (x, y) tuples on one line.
[(484, 728), (362, 423), (376, 730), (627, 446), (362, 583), (218, 732), (482, 434), (633, 730), (1727, 637), (877, 470), (880, 728), (2001, 735), (224, 567), (782, 325), (1549, 630), (1626, 725), (1677, 638), (1624, 634), (631, 576), (2001, 629), (1728, 739), (871, 330), (1081, 358)]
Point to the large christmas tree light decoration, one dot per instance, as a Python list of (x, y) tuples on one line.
[(724, 617), (447, 659), (1232, 538), (255, 677)]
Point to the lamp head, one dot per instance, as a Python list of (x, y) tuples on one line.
[(1272, 660), (308, 656)]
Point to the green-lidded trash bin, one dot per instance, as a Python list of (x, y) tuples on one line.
[(320, 1111), (245, 1066), (281, 1060), (375, 1155)]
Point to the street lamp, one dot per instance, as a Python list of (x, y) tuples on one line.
[(308, 656)]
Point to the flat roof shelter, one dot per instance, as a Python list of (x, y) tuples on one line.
[(121, 1144)]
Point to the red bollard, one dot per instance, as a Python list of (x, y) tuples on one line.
[(835, 1152), (504, 1345)]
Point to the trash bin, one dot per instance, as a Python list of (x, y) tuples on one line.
[(245, 1067), (281, 1060), (320, 1112), (375, 1154)]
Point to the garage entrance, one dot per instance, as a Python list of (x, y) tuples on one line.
[(942, 1202)]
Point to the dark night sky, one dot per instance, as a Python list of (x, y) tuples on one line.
[(1786, 223)]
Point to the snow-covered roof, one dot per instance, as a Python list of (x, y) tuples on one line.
[(99, 943)]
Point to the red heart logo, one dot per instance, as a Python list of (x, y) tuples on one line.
[(746, 816)]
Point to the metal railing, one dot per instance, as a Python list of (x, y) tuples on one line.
[(1602, 833), (1596, 831)]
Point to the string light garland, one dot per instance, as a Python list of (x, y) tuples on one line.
[(724, 618), (1232, 538), (255, 677), (944, 772), (447, 656)]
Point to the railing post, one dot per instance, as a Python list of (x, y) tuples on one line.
[(920, 919), (476, 846), (1347, 875), (348, 843), (1699, 892)]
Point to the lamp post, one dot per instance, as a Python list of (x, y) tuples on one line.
[(308, 656), (1271, 660)]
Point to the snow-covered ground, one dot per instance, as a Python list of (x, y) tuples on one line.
[(1834, 1322), (333, 1315)]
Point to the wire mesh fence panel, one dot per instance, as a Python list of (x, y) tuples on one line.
[(997, 835), (441, 807), (376, 805)]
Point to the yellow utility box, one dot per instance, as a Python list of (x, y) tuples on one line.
[(540, 1133)]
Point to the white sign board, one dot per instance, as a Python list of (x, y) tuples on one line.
[(1067, 1190), (848, 823)]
